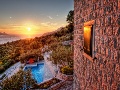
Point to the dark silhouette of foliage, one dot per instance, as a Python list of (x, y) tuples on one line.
[(70, 17)]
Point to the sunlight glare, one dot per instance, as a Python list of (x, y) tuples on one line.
[(29, 29)]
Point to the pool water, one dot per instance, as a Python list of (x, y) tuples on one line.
[(37, 72)]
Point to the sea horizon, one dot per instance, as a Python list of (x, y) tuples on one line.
[(9, 38)]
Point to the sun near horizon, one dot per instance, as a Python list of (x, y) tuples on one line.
[(33, 17), (29, 29)]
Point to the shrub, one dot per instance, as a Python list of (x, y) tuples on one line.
[(2, 69), (61, 55), (67, 70)]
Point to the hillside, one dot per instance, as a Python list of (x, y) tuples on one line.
[(19, 50), (3, 33)]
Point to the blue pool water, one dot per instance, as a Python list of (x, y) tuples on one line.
[(37, 72)]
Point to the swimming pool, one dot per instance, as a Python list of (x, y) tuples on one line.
[(37, 72)]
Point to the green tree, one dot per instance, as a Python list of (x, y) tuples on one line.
[(17, 81), (70, 17), (62, 55), (34, 53), (34, 45)]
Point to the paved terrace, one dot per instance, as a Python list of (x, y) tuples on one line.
[(12, 70), (49, 71), (51, 68)]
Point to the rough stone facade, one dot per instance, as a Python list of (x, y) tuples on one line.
[(102, 73)]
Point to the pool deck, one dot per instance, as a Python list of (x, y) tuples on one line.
[(50, 68), (48, 74)]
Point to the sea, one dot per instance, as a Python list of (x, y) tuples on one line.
[(8, 38)]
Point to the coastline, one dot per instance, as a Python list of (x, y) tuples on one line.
[(5, 39)]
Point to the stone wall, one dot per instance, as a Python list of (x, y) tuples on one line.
[(57, 86), (102, 73), (65, 77)]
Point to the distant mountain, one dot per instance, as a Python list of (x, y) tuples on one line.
[(3, 33), (49, 33), (6, 35)]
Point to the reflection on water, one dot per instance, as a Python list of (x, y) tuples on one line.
[(5, 39), (10, 38), (87, 39)]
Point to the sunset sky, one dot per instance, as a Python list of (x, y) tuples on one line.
[(31, 17)]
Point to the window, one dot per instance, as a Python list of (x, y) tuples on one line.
[(89, 39), (88, 35)]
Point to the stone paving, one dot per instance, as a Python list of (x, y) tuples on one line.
[(12, 70), (48, 74), (49, 67), (47, 71), (67, 86), (51, 73)]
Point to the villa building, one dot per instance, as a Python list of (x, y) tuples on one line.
[(96, 45)]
